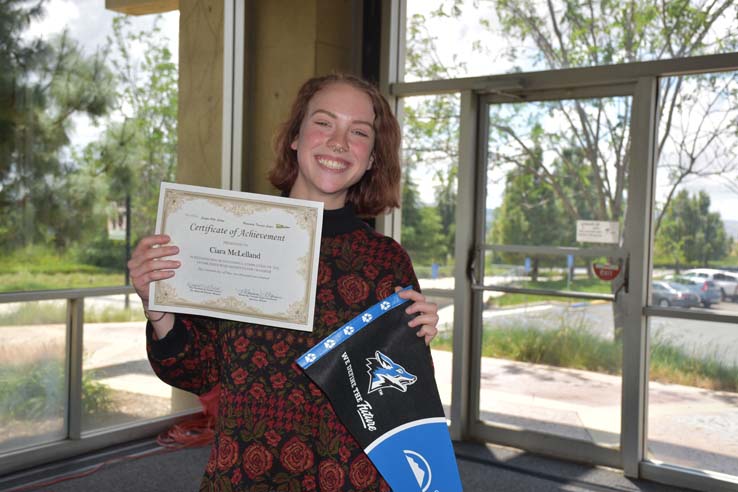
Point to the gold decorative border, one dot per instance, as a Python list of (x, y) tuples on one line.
[(305, 218)]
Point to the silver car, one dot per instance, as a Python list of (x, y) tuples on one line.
[(666, 294), (708, 291)]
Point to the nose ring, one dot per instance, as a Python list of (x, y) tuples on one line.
[(337, 147)]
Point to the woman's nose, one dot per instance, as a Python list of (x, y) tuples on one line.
[(338, 143)]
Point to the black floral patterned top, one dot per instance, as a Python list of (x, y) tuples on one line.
[(277, 431)]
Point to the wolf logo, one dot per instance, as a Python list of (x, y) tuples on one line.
[(386, 373)]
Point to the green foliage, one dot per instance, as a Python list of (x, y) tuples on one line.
[(36, 390), (691, 234), (49, 312), (45, 84), (58, 196), (102, 252), (572, 345), (422, 234)]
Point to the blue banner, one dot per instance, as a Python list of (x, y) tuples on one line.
[(379, 378)]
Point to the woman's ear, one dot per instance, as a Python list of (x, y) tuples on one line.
[(293, 145), (371, 161)]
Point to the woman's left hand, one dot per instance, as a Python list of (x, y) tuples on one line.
[(428, 317)]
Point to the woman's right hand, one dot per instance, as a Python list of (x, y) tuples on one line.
[(146, 264)]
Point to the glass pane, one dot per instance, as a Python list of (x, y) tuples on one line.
[(550, 272), (693, 394), (554, 164), (553, 367), (88, 116), (430, 166), (696, 219), (442, 350), (118, 384), (33, 387), (459, 38)]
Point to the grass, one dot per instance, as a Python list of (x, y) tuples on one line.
[(53, 312), (32, 387), (580, 285), (576, 347), (37, 268)]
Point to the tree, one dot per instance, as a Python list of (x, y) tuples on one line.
[(590, 137), (529, 214), (422, 233), (571, 34), (430, 133), (44, 84), (138, 148), (691, 233)]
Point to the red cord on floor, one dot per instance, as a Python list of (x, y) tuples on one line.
[(194, 432)]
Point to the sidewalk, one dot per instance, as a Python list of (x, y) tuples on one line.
[(687, 426)]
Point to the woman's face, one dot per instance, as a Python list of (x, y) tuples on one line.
[(334, 145)]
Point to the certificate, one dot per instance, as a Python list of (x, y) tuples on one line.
[(244, 257)]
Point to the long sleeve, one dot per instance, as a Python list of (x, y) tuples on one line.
[(187, 357)]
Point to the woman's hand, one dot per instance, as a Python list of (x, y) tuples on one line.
[(428, 317), (146, 264)]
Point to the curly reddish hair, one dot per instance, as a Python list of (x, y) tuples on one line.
[(379, 189)]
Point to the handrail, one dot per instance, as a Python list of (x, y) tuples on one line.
[(47, 295)]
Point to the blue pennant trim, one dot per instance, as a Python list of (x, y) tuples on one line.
[(346, 331)]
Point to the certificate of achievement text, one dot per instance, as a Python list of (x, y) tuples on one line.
[(244, 256)]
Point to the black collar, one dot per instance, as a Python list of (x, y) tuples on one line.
[(341, 221)]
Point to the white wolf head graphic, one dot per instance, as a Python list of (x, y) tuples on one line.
[(385, 373)]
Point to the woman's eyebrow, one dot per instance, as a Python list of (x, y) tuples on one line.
[(333, 115)]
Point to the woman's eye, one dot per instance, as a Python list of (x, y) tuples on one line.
[(361, 133), (322, 123)]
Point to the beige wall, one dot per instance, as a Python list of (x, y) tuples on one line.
[(287, 41), (199, 134)]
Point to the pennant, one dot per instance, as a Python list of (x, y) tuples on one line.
[(378, 376)]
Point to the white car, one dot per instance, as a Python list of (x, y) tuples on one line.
[(727, 281)]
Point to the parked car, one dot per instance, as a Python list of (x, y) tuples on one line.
[(708, 290), (667, 294), (726, 281)]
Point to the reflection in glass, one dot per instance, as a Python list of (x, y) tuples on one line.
[(118, 383), (33, 373), (696, 217), (552, 366), (693, 394), (430, 167), (445, 39)]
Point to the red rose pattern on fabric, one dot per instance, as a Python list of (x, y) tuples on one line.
[(295, 456), (331, 476), (362, 472), (353, 289), (276, 429), (257, 460), (227, 453)]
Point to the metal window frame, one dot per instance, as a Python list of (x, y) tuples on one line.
[(76, 441), (233, 96), (640, 81)]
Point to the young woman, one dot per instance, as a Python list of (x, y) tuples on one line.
[(275, 429)]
